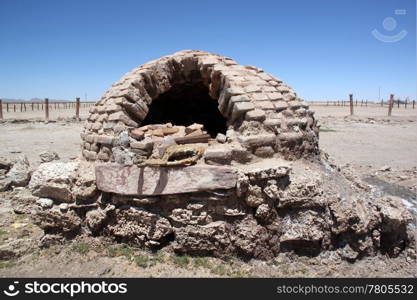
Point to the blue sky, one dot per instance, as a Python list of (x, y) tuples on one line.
[(323, 48)]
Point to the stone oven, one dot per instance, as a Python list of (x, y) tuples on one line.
[(195, 152), (237, 112)]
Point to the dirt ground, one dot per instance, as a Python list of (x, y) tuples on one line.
[(379, 150)]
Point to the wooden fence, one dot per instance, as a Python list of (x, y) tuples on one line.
[(390, 104), (46, 106), (364, 103)]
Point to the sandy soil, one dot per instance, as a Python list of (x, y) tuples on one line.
[(369, 138), (369, 144)]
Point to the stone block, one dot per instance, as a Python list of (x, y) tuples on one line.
[(259, 140), (193, 127), (291, 136), (137, 134), (121, 116), (241, 155), (104, 140), (145, 145), (221, 138), (280, 105), (147, 181), (54, 180), (252, 88), (289, 97), (218, 155), (272, 122), (265, 151), (255, 115), (275, 96), (265, 105), (96, 126), (259, 97), (239, 108), (235, 99)]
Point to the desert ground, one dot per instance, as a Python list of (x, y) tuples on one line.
[(379, 150)]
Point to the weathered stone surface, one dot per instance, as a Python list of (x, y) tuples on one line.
[(235, 99), (241, 155), (45, 202), (124, 156), (195, 133), (218, 155), (54, 180), (169, 130), (280, 105), (139, 225), (123, 139), (84, 187), (265, 151), (104, 140), (5, 183), (145, 145), (5, 163), (48, 156), (193, 127), (20, 173), (205, 239), (221, 138), (23, 202), (303, 226), (55, 220), (253, 240), (239, 108), (121, 116), (257, 140), (254, 197), (137, 134), (256, 114), (132, 180), (97, 218)]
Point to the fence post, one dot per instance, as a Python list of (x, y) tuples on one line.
[(46, 109), (391, 102), (351, 104), (405, 103), (77, 108), (1, 109), (414, 103)]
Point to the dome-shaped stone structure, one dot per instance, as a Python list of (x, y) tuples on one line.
[(187, 151), (259, 114)]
